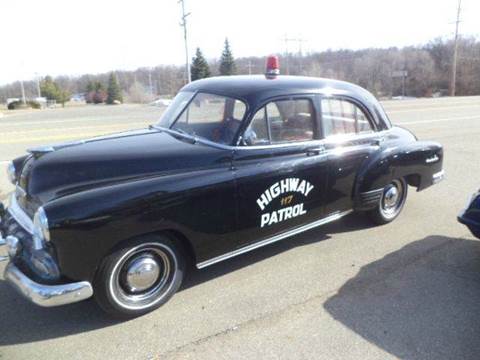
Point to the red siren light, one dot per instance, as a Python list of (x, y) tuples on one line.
[(273, 66)]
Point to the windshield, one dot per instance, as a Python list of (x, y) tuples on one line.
[(175, 108), (213, 117)]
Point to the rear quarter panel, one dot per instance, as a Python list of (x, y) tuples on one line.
[(401, 155)]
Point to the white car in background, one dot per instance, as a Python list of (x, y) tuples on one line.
[(161, 102)]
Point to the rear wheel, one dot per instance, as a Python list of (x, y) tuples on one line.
[(391, 202), (139, 277)]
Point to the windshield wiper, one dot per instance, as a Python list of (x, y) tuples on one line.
[(184, 135), (179, 133)]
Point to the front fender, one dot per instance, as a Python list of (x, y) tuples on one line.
[(86, 226)]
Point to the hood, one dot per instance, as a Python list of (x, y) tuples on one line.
[(54, 171)]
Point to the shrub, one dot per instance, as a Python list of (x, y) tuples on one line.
[(99, 97), (34, 104), (16, 105)]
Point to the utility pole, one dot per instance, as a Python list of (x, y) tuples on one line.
[(249, 67), (24, 100), (39, 93), (150, 84), (453, 84), (184, 24)]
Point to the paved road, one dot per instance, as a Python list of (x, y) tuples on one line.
[(407, 290)]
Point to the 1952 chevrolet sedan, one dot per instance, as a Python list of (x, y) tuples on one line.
[(235, 163)]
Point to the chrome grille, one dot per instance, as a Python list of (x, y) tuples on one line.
[(12, 227)]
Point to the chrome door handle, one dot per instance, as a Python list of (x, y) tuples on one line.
[(316, 150), (378, 141)]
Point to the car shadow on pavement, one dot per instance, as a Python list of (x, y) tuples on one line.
[(420, 302), (23, 322)]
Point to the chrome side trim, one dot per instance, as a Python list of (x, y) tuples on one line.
[(273, 239), (19, 215), (47, 295), (338, 140)]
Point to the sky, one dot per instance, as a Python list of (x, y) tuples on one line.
[(59, 37)]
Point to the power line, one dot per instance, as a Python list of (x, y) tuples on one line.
[(184, 25), (287, 40), (453, 83)]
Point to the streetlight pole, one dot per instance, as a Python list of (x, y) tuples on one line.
[(184, 24), (453, 84)]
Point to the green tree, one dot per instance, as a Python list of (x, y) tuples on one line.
[(90, 86), (114, 93), (48, 88), (199, 68), (98, 86), (227, 62), (52, 91)]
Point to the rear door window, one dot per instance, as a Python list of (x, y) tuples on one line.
[(341, 117), (282, 121)]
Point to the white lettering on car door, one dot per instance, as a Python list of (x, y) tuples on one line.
[(289, 185)]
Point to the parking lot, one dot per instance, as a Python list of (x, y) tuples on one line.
[(347, 290)]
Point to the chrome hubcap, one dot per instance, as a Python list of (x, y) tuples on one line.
[(393, 198), (142, 273), (143, 276)]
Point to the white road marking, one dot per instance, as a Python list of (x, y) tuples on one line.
[(437, 120), (432, 108)]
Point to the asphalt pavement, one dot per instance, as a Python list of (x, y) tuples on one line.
[(348, 290)]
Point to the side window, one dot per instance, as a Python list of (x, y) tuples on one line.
[(340, 117), (282, 121), (257, 131), (239, 109)]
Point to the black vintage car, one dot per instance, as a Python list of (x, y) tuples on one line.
[(235, 163), (470, 216)]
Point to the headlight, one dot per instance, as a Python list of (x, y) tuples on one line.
[(11, 173), (41, 233)]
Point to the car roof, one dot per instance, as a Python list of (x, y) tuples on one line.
[(257, 88)]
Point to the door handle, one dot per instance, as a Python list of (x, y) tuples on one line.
[(378, 141), (317, 150)]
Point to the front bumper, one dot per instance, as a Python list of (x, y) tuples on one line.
[(40, 294), (47, 295)]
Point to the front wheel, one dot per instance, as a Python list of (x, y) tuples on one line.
[(391, 202), (139, 277)]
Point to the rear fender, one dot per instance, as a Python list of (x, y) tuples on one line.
[(415, 161)]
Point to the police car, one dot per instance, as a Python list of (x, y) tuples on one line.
[(234, 163)]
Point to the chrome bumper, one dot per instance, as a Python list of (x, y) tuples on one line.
[(47, 295), (437, 177), (40, 294)]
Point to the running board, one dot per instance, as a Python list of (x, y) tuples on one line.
[(273, 239)]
